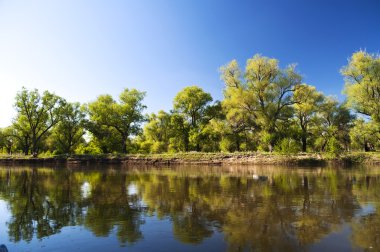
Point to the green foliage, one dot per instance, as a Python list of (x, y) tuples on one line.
[(365, 135), (68, 133), (88, 148), (157, 133), (288, 146), (362, 76), (334, 147), (191, 102), (265, 108), (308, 103), (334, 120), (263, 98), (123, 118), (36, 115)]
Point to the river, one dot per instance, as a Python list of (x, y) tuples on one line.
[(190, 208)]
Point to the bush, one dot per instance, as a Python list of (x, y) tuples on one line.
[(288, 146), (334, 147), (89, 148), (226, 145)]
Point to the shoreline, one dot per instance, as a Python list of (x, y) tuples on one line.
[(218, 159)]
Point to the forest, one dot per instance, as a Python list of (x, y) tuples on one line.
[(265, 108)]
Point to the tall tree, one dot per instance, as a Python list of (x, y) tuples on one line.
[(157, 132), (8, 139), (193, 104), (125, 116), (333, 123), (265, 92), (308, 103), (69, 131), (362, 76), (365, 135), (239, 122), (36, 115)]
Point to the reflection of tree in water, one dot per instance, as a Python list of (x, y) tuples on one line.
[(366, 229), (110, 206), (39, 206), (288, 211), (44, 201)]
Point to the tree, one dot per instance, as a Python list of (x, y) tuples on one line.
[(125, 116), (36, 115), (193, 104), (308, 101), (8, 139), (179, 140), (265, 93), (362, 87), (69, 131), (365, 135), (333, 122), (238, 122), (157, 132)]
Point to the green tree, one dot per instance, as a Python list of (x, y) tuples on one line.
[(362, 87), (36, 115), (333, 123), (124, 117), (365, 135), (265, 93), (157, 132), (8, 139), (193, 104), (179, 140), (308, 101), (68, 133)]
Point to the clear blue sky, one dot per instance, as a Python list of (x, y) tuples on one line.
[(81, 49)]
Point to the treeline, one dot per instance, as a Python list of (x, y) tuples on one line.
[(265, 108)]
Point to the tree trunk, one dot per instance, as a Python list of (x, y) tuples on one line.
[(324, 145), (237, 144), (272, 140), (198, 147), (304, 143), (34, 146), (124, 146), (26, 150), (366, 147)]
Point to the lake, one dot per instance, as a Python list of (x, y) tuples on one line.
[(190, 208)]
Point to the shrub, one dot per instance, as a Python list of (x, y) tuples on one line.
[(288, 146)]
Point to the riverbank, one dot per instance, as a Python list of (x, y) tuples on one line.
[(251, 158)]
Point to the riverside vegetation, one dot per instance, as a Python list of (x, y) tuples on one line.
[(265, 109)]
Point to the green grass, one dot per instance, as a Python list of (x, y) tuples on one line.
[(240, 157)]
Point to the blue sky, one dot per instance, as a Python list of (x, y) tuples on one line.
[(81, 49)]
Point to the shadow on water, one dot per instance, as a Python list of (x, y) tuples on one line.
[(254, 208)]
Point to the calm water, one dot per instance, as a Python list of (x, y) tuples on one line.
[(190, 209)]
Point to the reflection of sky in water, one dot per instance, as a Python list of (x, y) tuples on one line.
[(132, 189), (4, 217), (85, 190), (366, 209)]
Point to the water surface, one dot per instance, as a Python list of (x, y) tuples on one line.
[(190, 209)]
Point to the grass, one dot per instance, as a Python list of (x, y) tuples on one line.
[(203, 157)]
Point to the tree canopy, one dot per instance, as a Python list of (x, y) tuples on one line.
[(36, 115), (125, 116), (264, 108), (362, 75)]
